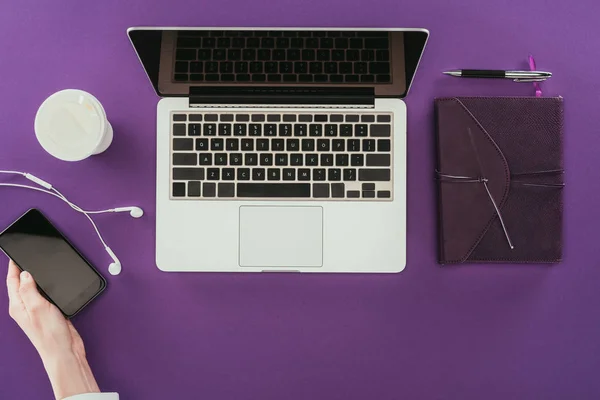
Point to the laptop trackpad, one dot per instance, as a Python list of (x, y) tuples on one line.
[(281, 236)]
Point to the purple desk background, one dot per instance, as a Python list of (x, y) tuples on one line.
[(466, 332)]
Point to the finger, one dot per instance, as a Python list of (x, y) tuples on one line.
[(32, 299), (13, 282)]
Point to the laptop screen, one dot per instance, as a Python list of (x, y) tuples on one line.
[(177, 59)]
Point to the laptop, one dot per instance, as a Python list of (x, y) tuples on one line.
[(280, 150)]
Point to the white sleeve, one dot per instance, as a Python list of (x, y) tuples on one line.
[(94, 396)]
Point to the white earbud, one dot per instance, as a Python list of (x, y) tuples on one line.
[(115, 267), (135, 212)]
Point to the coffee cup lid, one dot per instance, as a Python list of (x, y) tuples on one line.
[(70, 124)]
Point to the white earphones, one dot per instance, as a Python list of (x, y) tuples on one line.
[(136, 212)]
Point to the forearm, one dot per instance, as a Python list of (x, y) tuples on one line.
[(70, 375)]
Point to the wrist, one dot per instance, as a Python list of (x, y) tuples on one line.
[(70, 374)]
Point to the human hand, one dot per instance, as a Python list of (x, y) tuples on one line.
[(45, 326), (54, 337)]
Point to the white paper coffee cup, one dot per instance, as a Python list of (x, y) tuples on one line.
[(71, 125)]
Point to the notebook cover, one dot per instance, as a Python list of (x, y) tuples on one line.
[(516, 144)]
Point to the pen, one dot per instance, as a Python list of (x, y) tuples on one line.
[(517, 76)]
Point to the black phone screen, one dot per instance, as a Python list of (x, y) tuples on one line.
[(62, 274)]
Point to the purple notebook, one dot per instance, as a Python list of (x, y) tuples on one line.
[(500, 179)]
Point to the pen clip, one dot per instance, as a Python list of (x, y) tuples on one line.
[(529, 79), (536, 85)]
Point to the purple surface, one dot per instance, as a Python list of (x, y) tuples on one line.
[(467, 332)]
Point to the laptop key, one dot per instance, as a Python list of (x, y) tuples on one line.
[(312, 160), (315, 130), (322, 145), (353, 194), (232, 144), (342, 160), (367, 118), (257, 190), (185, 54), (262, 144), (381, 130), (281, 159), (201, 144), (270, 130), (183, 144), (209, 189), (374, 175), (185, 159), (331, 130), (353, 145), (345, 130), (255, 129), (213, 174), (320, 190), (210, 129), (266, 159), (195, 117), (273, 174), (251, 159), (293, 144), (338, 145), (179, 130), (384, 145), (369, 194), (179, 117), (326, 160), (384, 194), (239, 129), (179, 189), (221, 159), (378, 160), (357, 160), (289, 174), (296, 159), (377, 43), (384, 118), (187, 174), (285, 129), (225, 129), (243, 174), (258, 174), (216, 144), (319, 174), (338, 190), (247, 145), (368, 145), (205, 158), (334, 174), (300, 129), (235, 159), (228, 174), (349, 174), (304, 174), (194, 130), (308, 145), (194, 189)]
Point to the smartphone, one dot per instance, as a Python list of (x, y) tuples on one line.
[(62, 274)]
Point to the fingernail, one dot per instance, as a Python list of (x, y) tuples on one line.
[(25, 275)]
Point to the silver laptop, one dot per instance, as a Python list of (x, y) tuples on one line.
[(280, 150)]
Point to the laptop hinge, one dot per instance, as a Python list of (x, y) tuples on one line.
[(313, 97)]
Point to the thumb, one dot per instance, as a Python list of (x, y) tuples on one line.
[(30, 296)]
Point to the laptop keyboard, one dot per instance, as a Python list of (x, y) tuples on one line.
[(283, 57), (281, 156)]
